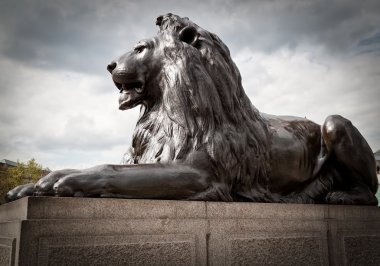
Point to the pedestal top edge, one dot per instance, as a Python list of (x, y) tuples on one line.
[(111, 208)]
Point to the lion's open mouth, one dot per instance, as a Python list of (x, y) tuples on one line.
[(137, 86), (131, 94)]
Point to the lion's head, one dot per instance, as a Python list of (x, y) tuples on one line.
[(193, 99)]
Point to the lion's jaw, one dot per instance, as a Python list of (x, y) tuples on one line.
[(130, 96), (131, 85)]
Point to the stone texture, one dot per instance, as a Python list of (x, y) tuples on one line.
[(362, 250), (90, 208), (85, 231), (348, 240), (275, 251), (7, 251), (249, 210), (274, 235), (16, 210), (135, 250), (92, 233)]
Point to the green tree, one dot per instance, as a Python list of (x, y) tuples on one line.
[(23, 173)]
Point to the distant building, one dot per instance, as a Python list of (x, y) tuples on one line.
[(5, 164)]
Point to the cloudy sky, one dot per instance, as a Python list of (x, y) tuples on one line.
[(58, 103)]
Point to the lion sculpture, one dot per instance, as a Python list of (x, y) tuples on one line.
[(200, 138)]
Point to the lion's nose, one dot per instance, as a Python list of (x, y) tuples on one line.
[(111, 66)]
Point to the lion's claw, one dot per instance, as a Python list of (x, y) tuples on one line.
[(46, 185), (62, 190), (20, 192)]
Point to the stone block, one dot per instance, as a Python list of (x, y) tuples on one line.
[(7, 251), (88, 231), (171, 249)]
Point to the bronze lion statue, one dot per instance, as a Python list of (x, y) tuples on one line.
[(200, 138)]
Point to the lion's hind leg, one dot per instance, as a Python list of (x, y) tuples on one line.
[(314, 192), (358, 195), (350, 154)]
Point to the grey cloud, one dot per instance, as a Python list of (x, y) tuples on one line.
[(42, 38), (369, 45), (373, 40), (270, 25), (79, 35), (73, 35)]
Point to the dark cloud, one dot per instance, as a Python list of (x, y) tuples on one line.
[(291, 53), (72, 35), (83, 35), (369, 45), (76, 35), (270, 25)]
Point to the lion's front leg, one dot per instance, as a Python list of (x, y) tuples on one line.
[(172, 181)]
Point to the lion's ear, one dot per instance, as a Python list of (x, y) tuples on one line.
[(189, 35), (159, 20)]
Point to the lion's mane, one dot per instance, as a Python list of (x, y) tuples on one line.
[(204, 108)]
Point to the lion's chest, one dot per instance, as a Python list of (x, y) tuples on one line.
[(157, 142)]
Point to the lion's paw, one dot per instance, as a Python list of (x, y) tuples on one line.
[(20, 192), (45, 186), (339, 198), (63, 188)]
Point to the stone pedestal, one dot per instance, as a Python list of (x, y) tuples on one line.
[(84, 231)]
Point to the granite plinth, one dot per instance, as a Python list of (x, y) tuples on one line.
[(85, 231)]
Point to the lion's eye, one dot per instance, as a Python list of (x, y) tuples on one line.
[(139, 48)]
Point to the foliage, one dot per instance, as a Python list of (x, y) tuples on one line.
[(23, 173)]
